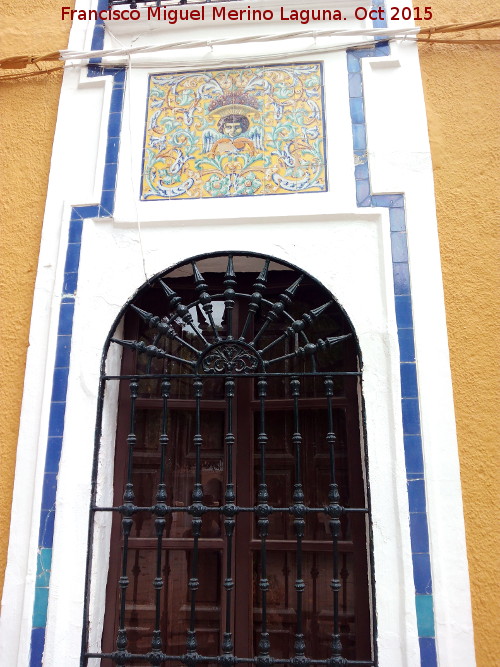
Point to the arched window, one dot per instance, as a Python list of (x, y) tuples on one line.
[(240, 529)]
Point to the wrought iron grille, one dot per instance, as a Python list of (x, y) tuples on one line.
[(223, 340)]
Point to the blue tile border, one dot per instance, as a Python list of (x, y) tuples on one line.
[(395, 203), (428, 651), (105, 208), (422, 574), (409, 386), (37, 646)]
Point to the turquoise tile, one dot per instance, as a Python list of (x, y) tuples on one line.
[(425, 615), (40, 607), (44, 561)]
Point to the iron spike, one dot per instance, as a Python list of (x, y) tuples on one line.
[(316, 312), (169, 292), (147, 317), (230, 274), (290, 291), (198, 278)]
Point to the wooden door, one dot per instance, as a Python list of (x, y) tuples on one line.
[(298, 605)]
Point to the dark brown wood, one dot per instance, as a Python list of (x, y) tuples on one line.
[(280, 545)]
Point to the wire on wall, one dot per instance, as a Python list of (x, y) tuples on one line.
[(78, 58)]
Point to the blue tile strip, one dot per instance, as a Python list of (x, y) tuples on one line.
[(419, 531), (104, 209)]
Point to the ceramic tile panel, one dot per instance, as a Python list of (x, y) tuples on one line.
[(235, 132)]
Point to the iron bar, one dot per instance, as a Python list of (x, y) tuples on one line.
[(204, 297), (221, 510), (197, 513), (256, 660), (229, 512), (256, 298), (150, 350), (298, 511), (160, 511), (186, 376), (263, 520), (298, 326), (310, 349), (164, 329), (128, 502), (334, 512), (180, 310), (229, 294), (278, 307)]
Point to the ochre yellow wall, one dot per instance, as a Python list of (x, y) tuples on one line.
[(27, 122), (461, 92)]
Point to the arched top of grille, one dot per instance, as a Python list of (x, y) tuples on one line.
[(236, 314)]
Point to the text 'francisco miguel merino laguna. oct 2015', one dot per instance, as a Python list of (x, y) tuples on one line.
[(221, 13)]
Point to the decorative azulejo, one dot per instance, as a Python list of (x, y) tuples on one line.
[(235, 132)]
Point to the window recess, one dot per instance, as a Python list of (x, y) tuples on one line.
[(240, 525)]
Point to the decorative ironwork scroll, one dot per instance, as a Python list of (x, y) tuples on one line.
[(230, 358)]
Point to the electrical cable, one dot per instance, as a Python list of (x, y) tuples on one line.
[(419, 35)]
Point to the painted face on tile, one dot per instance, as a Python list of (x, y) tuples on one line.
[(232, 129)]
